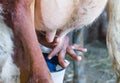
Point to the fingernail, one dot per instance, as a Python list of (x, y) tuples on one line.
[(57, 39), (65, 65), (49, 58), (85, 50), (72, 47), (79, 58), (67, 62)]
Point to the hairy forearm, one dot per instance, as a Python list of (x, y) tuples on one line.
[(25, 31)]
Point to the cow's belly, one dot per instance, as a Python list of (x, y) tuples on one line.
[(9, 73), (55, 13)]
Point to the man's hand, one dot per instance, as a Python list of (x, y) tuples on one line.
[(64, 47), (61, 46)]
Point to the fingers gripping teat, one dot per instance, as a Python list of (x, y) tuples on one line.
[(50, 35)]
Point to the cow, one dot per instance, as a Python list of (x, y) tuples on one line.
[(55, 19), (21, 59)]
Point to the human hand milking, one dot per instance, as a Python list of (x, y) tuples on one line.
[(58, 17), (61, 46)]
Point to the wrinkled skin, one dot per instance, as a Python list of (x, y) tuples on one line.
[(59, 17)]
